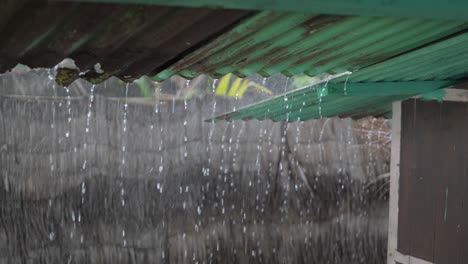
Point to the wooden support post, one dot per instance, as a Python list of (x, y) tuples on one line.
[(394, 183), (456, 95), (393, 256), (428, 222)]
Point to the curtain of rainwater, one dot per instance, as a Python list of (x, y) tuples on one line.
[(97, 174)]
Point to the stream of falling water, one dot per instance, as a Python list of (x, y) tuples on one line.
[(69, 112), (323, 92), (234, 192), (345, 86), (370, 147), (211, 129), (123, 169), (86, 168), (53, 154), (186, 113)]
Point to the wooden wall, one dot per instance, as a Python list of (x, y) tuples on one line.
[(433, 182)]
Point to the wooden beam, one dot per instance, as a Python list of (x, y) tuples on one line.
[(451, 94), (456, 95), (432, 9), (394, 184)]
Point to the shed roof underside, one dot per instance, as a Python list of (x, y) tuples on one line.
[(131, 40)]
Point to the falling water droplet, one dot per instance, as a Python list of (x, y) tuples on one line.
[(51, 236), (173, 104), (346, 83)]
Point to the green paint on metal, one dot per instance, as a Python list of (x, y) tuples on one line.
[(441, 60), (270, 42), (275, 30), (247, 27), (315, 42), (387, 88), (344, 52), (434, 95), (409, 34), (290, 26), (334, 45), (331, 99), (392, 56), (435, 9)]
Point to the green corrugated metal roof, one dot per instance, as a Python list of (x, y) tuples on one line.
[(334, 99), (292, 43), (434, 9), (447, 59), (132, 40), (369, 90)]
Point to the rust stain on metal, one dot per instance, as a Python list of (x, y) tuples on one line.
[(127, 40), (130, 40), (320, 22)]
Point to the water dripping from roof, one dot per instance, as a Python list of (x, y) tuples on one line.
[(124, 166), (345, 89)]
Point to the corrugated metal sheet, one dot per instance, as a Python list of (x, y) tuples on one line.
[(269, 43), (127, 40), (447, 59), (433, 9), (133, 40), (444, 60), (334, 99)]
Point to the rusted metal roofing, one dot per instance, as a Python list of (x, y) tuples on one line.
[(127, 40), (292, 43), (131, 40)]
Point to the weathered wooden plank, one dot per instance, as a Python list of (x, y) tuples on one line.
[(406, 168), (419, 154), (462, 252), (394, 182), (433, 184), (454, 113), (449, 189), (456, 95), (440, 189), (427, 125)]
